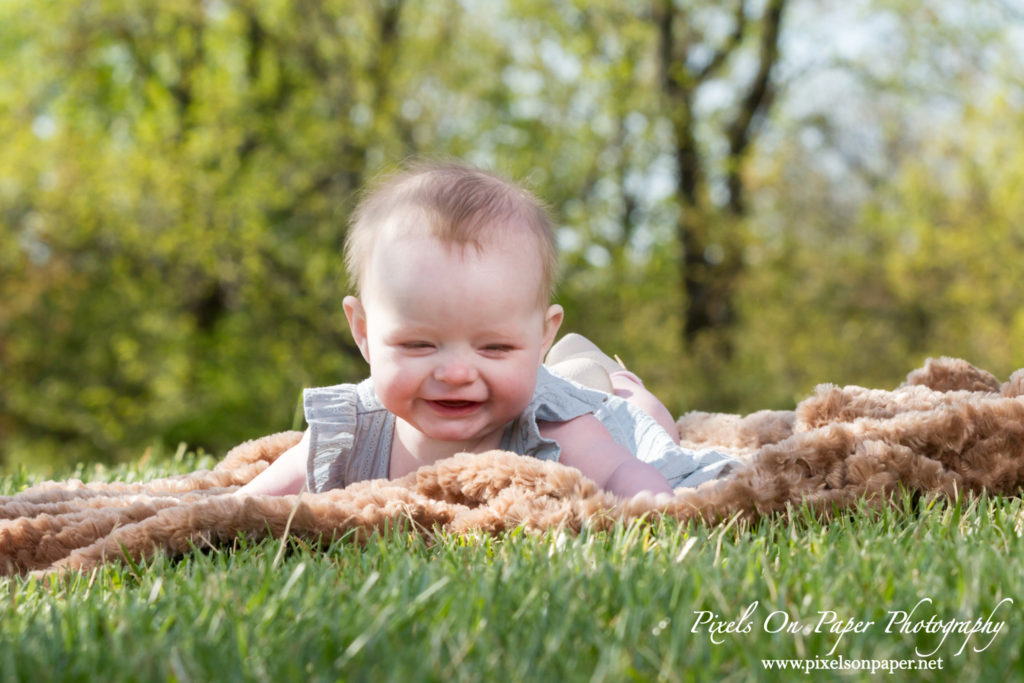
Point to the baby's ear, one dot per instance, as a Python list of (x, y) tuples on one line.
[(552, 321), (356, 315)]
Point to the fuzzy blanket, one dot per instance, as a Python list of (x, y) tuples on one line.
[(950, 428)]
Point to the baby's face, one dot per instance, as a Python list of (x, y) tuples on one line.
[(454, 335)]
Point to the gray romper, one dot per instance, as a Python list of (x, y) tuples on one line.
[(350, 433)]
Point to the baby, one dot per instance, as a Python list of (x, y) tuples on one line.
[(455, 268)]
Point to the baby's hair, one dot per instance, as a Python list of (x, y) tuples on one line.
[(456, 204)]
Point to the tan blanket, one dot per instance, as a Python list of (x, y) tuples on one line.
[(951, 428)]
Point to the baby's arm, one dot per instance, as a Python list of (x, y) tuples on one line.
[(588, 446), (285, 476)]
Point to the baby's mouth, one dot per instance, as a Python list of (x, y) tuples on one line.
[(455, 407)]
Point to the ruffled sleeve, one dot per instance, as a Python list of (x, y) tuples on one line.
[(555, 399), (349, 435)]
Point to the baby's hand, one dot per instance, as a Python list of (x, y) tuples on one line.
[(652, 499)]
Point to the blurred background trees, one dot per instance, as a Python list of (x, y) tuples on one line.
[(753, 196)]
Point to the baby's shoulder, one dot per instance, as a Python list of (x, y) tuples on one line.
[(577, 432), (587, 445), (557, 399)]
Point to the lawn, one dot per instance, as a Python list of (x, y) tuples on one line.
[(649, 601)]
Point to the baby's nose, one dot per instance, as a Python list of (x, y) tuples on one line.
[(455, 370)]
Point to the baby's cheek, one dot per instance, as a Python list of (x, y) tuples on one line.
[(520, 390), (393, 388)]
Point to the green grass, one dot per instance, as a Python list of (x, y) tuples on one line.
[(601, 606)]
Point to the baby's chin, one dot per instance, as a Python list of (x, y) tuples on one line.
[(467, 436)]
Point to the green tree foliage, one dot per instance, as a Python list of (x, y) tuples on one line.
[(879, 243), (174, 200), (176, 177), (926, 266)]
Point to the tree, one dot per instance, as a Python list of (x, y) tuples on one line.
[(176, 184), (176, 178), (883, 201), (689, 59)]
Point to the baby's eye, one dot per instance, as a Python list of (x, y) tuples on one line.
[(416, 345), (498, 348)]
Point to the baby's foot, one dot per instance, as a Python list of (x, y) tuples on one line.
[(579, 359), (584, 371), (575, 345)]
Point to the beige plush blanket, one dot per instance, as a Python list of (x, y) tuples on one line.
[(950, 428)]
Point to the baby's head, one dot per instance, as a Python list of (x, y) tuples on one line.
[(457, 205), (454, 268)]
